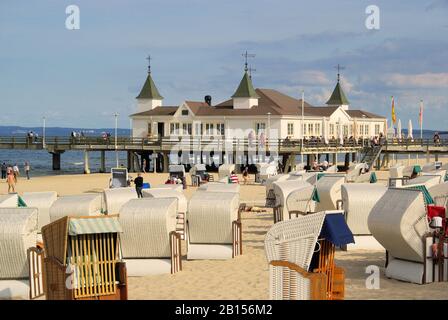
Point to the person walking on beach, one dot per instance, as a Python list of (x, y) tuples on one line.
[(27, 170), (16, 171), (139, 185), (4, 167), (246, 175), (11, 179)]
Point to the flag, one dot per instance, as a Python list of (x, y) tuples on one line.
[(394, 117), (420, 114)]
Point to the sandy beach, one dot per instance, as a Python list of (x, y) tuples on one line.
[(245, 277)]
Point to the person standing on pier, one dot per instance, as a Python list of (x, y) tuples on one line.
[(4, 167), (16, 171), (27, 170), (139, 185)]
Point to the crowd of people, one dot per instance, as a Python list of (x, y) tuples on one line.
[(32, 136), (11, 173)]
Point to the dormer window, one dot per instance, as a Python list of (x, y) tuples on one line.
[(185, 112)]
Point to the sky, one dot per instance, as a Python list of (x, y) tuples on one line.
[(80, 78)]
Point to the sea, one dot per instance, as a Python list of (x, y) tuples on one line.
[(72, 162)]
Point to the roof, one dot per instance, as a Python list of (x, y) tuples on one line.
[(362, 114), (245, 89), (270, 101), (338, 97), (149, 90)]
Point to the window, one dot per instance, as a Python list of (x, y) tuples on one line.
[(290, 129), (174, 128), (350, 130), (220, 128), (185, 112), (209, 129), (304, 129), (377, 129), (345, 130), (259, 127), (199, 129), (186, 128), (149, 129), (317, 129), (310, 129), (366, 130), (331, 129)]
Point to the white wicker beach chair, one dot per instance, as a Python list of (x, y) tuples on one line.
[(300, 202), (177, 187), (358, 199), (86, 204), (332, 169), (150, 243), (408, 171), (10, 200), (225, 171), (115, 198), (213, 229), (220, 187), (42, 201), (329, 190), (282, 189), (427, 180), (289, 247), (182, 205), (396, 175), (18, 232), (398, 221), (429, 167), (354, 171), (439, 193)]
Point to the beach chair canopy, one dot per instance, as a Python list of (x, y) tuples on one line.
[(270, 181), (86, 204), (225, 170), (398, 222), (18, 232), (282, 189), (115, 198), (329, 190), (9, 200), (427, 180), (147, 224), (182, 201), (301, 200), (177, 187), (176, 168), (43, 202), (358, 200), (220, 187), (210, 217)]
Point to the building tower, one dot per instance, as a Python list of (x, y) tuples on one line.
[(149, 97)]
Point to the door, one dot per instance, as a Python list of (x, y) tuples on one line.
[(161, 129)]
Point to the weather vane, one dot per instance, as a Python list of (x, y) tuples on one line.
[(250, 69), (246, 56), (149, 63), (339, 68)]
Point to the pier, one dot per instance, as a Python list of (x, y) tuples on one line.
[(228, 150)]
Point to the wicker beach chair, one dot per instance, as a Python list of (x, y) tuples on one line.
[(182, 205), (43, 202), (329, 189), (115, 198), (10, 200), (439, 193), (300, 202), (301, 260), (86, 204), (82, 259), (398, 221), (332, 169), (18, 232), (282, 189), (354, 171), (213, 229), (266, 170), (225, 170), (428, 180), (176, 187), (396, 176), (220, 187), (358, 199), (150, 243)]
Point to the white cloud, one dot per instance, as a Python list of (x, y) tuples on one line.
[(423, 80)]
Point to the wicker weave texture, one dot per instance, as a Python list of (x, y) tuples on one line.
[(329, 190), (210, 216), (294, 240), (279, 276), (115, 198), (359, 200), (147, 224), (269, 185), (87, 204), (42, 201), (18, 232), (300, 200), (182, 201), (398, 222), (354, 171), (282, 189)]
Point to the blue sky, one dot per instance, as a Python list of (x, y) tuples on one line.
[(82, 77)]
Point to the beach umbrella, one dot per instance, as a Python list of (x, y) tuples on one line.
[(410, 135), (399, 130)]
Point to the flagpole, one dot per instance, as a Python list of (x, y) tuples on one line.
[(303, 116), (421, 119)]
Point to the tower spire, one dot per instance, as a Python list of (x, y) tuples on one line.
[(247, 55), (149, 63), (339, 68)]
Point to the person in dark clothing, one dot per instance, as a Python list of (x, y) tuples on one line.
[(4, 167), (139, 185)]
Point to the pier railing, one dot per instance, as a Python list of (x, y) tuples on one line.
[(217, 142)]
